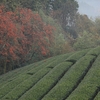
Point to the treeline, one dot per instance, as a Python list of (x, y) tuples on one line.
[(26, 36), (31, 30)]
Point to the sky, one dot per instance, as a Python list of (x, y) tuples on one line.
[(89, 7)]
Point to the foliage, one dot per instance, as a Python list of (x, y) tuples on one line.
[(47, 82), (9, 45), (88, 40), (37, 32), (34, 5), (97, 24), (66, 79), (69, 80), (89, 85), (23, 32), (39, 70), (10, 4), (66, 12), (82, 23), (60, 44), (53, 28)]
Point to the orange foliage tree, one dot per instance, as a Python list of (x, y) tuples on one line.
[(22, 33), (8, 37), (38, 35)]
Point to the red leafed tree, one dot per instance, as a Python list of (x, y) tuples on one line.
[(39, 35), (8, 37), (22, 33)]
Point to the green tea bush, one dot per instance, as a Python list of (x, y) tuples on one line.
[(90, 85), (46, 83), (69, 81)]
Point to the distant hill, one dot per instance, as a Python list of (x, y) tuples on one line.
[(72, 76)]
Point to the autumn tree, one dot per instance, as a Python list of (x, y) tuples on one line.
[(23, 35), (8, 38), (38, 34)]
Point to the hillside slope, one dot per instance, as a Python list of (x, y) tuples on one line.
[(73, 76)]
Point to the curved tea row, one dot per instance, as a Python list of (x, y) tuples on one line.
[(73, 76)]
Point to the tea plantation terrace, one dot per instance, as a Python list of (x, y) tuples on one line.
[(72, 76)]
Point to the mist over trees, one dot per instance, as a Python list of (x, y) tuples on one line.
[(31, 30)]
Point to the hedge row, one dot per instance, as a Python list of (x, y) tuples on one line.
[(90, 86), (43, 80), (8, 85), (46, 83), (70, 80), (95, 51), (31, 79), (97, 96)]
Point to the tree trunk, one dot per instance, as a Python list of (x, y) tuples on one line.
[(5, 66)]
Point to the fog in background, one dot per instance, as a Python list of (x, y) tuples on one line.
[(89, 7)]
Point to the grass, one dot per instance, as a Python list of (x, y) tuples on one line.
[(72, 76)]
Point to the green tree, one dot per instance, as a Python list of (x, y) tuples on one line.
[(82, 23), (88, 40), (65, 12), (10, 4), (60, 44), (97, 24)]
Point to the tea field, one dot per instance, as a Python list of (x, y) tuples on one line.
[(71, 76)]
